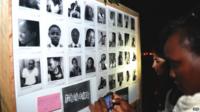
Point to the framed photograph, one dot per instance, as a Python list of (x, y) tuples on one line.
[(119, 20), (89, 37), (89, 13), (112, 18), (132, 23), (127, 75), (127, 39), (54, 6), (112, 81), (126, 21), (112, 39), (120, 79), (101, 15), (55, 68), (74, 9), (90, 64), (76, 97), (29, 74), (75, 33), (103, 61), (32, 4), (75, 66), (102, 85), (54, 36), (102, 39), (133, 41), (134, 56), (112, 60), (127, 57), (134, 75), (28, 33), (120, 58), (120, 39)]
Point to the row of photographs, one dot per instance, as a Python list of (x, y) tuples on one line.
[(31, 35), (75, 98), (31, 71), (78, 9)]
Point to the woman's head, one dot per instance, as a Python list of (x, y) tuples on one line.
[(90, 35), (90, 62)]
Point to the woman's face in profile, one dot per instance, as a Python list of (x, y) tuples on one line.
[(158, 64)]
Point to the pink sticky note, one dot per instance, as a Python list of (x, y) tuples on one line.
[(49, 103)]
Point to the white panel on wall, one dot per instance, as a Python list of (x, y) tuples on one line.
[(64, 43)]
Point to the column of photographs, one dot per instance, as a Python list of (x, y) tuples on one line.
[(117, 62), (57, 42)]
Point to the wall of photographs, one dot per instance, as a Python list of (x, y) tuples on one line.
[(72, 52)]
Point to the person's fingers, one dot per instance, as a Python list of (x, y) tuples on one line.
[(92, 108), (117, 108), (116, 101), (116, 96), (103, 105), (97, 106)]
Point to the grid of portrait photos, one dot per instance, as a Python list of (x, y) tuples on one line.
[(59, 42)]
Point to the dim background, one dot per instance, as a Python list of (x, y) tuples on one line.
[(154, 15)]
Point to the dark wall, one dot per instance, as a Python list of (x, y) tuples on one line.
[(154, 15)]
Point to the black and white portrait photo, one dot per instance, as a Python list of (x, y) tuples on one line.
[(74, 11), (90, 65), (30, 72), (119, 20), (75, 66), (102, 83), (133, 42), (112, 18), (134, 56), (54, 33), (55, 6), (102, 38), (34, 4), (127, 39), (126, 21), (90, 38), (76, 97), (112, 39), (55, 68), (112, 60), (75, 38), (134, 75), (112, 81), (101, 15), (120, 39), (120, 58), (89, 13), (127, 76), (127, 57), (103, 62), (120, 78), (29, 34), (132, 23)]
